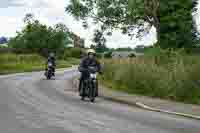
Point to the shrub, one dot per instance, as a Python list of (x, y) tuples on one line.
[(76, 52), (108, 54), (99, 55), (67, 54), (20, 58)]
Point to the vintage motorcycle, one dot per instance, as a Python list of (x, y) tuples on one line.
[(89, 87)]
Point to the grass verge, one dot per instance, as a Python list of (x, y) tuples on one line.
[(15, 63), (174, 78)]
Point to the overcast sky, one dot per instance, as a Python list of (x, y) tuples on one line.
[(51, 12)]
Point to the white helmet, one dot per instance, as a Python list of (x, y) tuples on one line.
[(91, 51), (52, 54)]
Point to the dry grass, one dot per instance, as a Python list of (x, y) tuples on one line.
[(173, 78), (11, 63)]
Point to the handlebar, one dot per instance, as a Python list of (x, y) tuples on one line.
[(92, 69), (89, 69)]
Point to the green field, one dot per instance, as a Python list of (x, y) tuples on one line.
[(174, 78), (13, 63)]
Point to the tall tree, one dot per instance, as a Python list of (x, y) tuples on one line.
[(36, 36), (100, 41), (172, 19), (176, 23), (126, 15), (195, 32), (29, 17)]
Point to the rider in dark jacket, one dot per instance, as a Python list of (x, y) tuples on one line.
[(88, 61), (52, 59)]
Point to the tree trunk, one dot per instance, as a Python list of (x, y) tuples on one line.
[(152, 12), (157, 26)]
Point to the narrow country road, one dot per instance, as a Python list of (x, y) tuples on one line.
[(31, 104)]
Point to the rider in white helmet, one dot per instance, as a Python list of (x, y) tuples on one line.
[(89, 60), (52, 59)]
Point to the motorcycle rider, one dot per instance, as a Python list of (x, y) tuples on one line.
[(52, 59), (89, 60)]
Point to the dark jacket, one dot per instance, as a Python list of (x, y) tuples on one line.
[(87, 62), (52, 60)]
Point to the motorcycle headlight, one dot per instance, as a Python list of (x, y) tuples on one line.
[(50, 64), (94, 76)]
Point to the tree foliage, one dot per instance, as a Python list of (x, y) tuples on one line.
[(126, 15), (37, 37), (172, 19), (195, 32), (176, 23), (100, 41)]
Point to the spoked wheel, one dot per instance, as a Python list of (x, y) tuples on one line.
[(92, 100), (92, 92), (92, 96), (82, 91)]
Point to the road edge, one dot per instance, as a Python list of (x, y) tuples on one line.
[(146, 107), (140, 105), (59, 70)]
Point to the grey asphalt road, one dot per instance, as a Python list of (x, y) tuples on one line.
[(31, 104)]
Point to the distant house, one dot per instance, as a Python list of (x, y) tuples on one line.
[(125, 54), (77, 41)]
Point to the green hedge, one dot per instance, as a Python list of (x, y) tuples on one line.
[(72, 53)]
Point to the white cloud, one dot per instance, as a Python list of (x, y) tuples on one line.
[(51, 12), (8, 3), (9, 26)]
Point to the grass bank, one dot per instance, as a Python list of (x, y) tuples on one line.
[(14, 63), (175, 78)]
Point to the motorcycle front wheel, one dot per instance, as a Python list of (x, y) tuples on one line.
[(82, 90), (48, 77), (92, 91)]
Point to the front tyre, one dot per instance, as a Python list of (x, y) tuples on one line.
[(82, 93), (48, 77), (92, 100), (82, 90), (49, 74), (92, 91)]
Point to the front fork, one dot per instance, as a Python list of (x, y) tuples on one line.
[(89, 87), (94, 87)]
